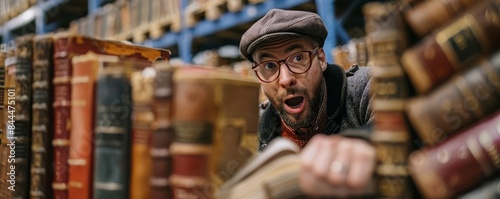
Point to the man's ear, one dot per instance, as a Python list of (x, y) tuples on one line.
[(322, 59)]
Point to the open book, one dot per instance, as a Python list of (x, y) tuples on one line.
[(274, 173)]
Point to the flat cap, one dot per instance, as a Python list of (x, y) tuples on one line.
[(279, 23)]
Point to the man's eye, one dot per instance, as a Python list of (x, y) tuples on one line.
[(270, 65), (297, 58)]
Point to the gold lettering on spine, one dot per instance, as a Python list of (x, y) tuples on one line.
[(478, 156), (486, 142), (443, 156), (462, 153)]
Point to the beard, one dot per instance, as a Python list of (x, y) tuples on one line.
[(311, 112)]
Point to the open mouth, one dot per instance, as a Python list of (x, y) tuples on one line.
[(295, 102)]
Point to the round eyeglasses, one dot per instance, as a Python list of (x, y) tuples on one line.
[(297, 63)]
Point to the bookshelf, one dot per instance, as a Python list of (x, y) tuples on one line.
[(42, 17), (47, 16)]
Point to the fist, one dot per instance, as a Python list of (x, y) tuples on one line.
[(337, 166)]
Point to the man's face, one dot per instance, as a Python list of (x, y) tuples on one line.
[(295, 96)]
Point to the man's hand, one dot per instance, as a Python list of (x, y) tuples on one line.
[(337, 166)]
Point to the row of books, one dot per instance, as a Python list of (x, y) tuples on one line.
[(130, 19), (90, 118), (436, 92), (355, 52), (10, 8), (436, 75)]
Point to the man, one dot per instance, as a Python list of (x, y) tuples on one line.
[(311, 102)]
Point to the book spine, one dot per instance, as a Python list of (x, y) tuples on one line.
[(8, 160), (191, 161), (387, 40), (163, 131), (430, 15), (112, 136), (24, 56), (454, 47), (41, 149), (80, 159), (194, 129), (143, 117), (459, 102), (61, 119), (386, 36), (460, 162)]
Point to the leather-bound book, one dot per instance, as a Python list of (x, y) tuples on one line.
[(387, 39), (9, 116), (459, 102), (454, 47), (65, 47), (163, 131), (112, 132), (214, 112), (461, 162), (143, 118), (390, 87), (427, 16), (41, 147), (82, 121), (386, 36), (23, 70)]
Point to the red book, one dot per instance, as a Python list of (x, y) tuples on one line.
[(459, 163), (66, 46)]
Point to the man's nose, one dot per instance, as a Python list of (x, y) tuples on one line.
[(286, 78)]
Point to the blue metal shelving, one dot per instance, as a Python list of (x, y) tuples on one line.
[(183, 39), (36, 13)]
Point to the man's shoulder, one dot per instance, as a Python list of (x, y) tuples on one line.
[(358, 80), (359, 73)]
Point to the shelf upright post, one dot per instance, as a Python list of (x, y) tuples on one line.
[(185, 43), (93, 6), (186, 36), (6, 36), (326, 10), (40, 21)]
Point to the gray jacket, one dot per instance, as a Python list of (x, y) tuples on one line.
[(349, 105)]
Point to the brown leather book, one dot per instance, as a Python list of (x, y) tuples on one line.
[(387, 39), (389, 87), (41, 147), (163, 131), (427, 16), (8, 160), (453, 47), (393, 181), (459, 102), (223, 102), (23, 110), (461, 162), (143, 117), (386, 36), (391, 136), (65, 47)]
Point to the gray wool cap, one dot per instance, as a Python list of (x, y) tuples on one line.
[(279, 23)]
